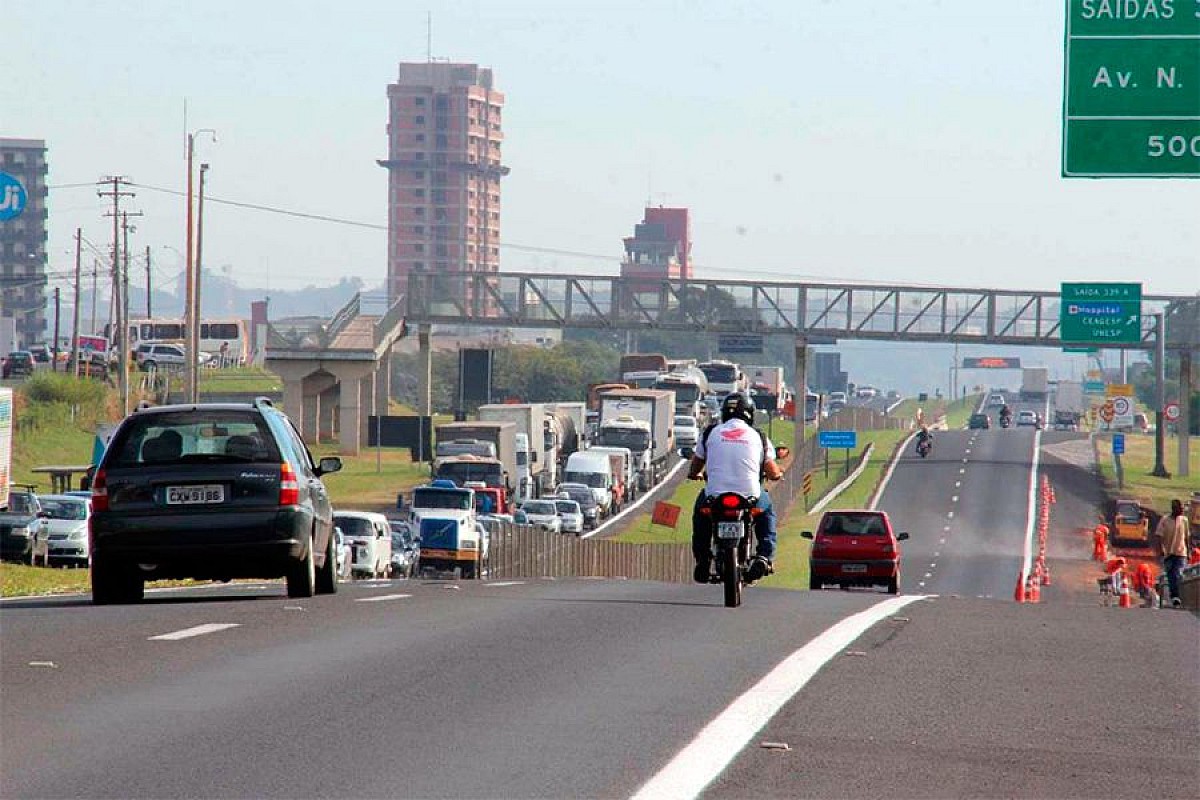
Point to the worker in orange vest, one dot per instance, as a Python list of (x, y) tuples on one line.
[(1194, 558), (1143, 584), (1100, 543)]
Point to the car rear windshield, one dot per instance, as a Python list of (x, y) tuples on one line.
[(193, 436), (853, 525), (539, 507), (566, 506), (354, 526)]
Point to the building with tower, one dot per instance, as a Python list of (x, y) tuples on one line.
[(23, 237)]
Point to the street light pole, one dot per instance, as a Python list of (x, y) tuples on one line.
[(194, 330)]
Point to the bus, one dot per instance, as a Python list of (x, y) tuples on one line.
[(213, 334)]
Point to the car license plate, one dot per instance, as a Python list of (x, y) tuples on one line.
[(729, 530), (854, 567), (194, 495)]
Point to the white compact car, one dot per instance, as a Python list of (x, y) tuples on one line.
[(1026, 418), (687, 431), (66, 528), (542, 513), (370, 538)]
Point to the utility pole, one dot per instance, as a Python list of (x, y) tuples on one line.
[(190, 307), (95, 293), (78, 296), (1160, 395), (120, 330), (57, 310), (148, 301)]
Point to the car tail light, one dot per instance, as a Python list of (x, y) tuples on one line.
[(289, 487), (100, 491)]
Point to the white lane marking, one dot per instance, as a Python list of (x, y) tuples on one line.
[(921, 584), (941, 541), (198, 630), (707, 756), (928, 574), (933, 565), (967, 450), (627, 512), (891, 467), (962, 471), (964, 460), (949, 515), (946, 528), (954, 499), (937, 553), (506, 583), (1031, 511), (381, 598)]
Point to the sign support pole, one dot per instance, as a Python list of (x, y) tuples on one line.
[(1182, 425), (798, 462), (1160, 395)]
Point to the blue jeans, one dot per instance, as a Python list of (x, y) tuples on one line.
[(764, 529), (1173, 566)]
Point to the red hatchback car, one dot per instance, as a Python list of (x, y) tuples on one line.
[(855, 548)]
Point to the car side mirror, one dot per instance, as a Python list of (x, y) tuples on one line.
[(329, 464), (806, 534), (900, 537)]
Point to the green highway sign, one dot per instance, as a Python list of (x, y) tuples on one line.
[(1100, 313), (1131, 89), (1083, 349)]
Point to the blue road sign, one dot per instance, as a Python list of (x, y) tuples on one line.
[(12, 197), (1118, 444), (828, 439)]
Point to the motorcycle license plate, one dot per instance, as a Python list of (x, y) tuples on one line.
[(729, 530)]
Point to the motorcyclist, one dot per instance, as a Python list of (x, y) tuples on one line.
[(1005, 413), (924, 438), (735, 457)]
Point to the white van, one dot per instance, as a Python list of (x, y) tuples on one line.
[(594, 470), (628, 467), (370, 538)]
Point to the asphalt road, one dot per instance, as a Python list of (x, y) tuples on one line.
[(596, 688), (966, 509)]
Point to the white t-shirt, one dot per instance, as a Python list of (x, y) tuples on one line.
[(733, 456)]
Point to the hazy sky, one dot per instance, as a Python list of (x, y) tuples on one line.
[(908, 140)]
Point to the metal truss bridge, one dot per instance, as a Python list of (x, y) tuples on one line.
[(812, 310)]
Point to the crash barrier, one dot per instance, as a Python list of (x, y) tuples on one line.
[(1189, 587), (1029, 585), (522, 551)]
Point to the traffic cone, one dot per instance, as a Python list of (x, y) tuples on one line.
[(1019, 593), (1126, 600), (1034, 592), (1045, 574)]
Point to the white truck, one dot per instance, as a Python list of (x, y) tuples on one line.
[(724, 377), (499, 472), (444, 516), (768, 387), (6, 430), (627, 474), (1035, 383), (643, 421), (689, 387), (537, 461)]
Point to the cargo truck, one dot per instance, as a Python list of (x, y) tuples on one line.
[(536, 467), (641, 370), (642, 420), (1034, 383), (565, 426), (500, 471), (689, 388)]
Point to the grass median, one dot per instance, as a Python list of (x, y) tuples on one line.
[(1138, 462)]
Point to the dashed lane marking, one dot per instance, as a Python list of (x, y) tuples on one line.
[(381, 598), (949, 515), (954, 499), (198, 630), (719, 743), (506, 583), (957, 484)]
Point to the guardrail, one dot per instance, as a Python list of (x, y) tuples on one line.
[(341, 319), (520, 551)]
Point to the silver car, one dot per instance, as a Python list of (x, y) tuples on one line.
[(66, 524), (570, 514)]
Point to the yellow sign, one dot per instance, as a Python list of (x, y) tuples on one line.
[(1119, 390)]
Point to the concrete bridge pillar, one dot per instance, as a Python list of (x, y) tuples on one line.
[(383, 383), (350, 403), (325, 424), (424, 371)]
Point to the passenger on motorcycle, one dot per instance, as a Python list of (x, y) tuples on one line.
[(736, 457)]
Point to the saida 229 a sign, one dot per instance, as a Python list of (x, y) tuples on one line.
[(12, 197)]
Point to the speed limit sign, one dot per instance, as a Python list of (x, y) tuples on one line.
[(1121, 406), (1171, 412)]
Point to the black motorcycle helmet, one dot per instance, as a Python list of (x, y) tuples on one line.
[(738, 405)]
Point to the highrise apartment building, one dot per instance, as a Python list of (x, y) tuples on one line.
[(23, 237), (444, 170)]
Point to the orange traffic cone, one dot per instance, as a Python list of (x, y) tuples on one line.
[(1126, 600), (1045, 574), (1034, 592), (1019, 593)]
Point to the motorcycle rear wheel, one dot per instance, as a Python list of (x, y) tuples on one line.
[(731, 574)]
